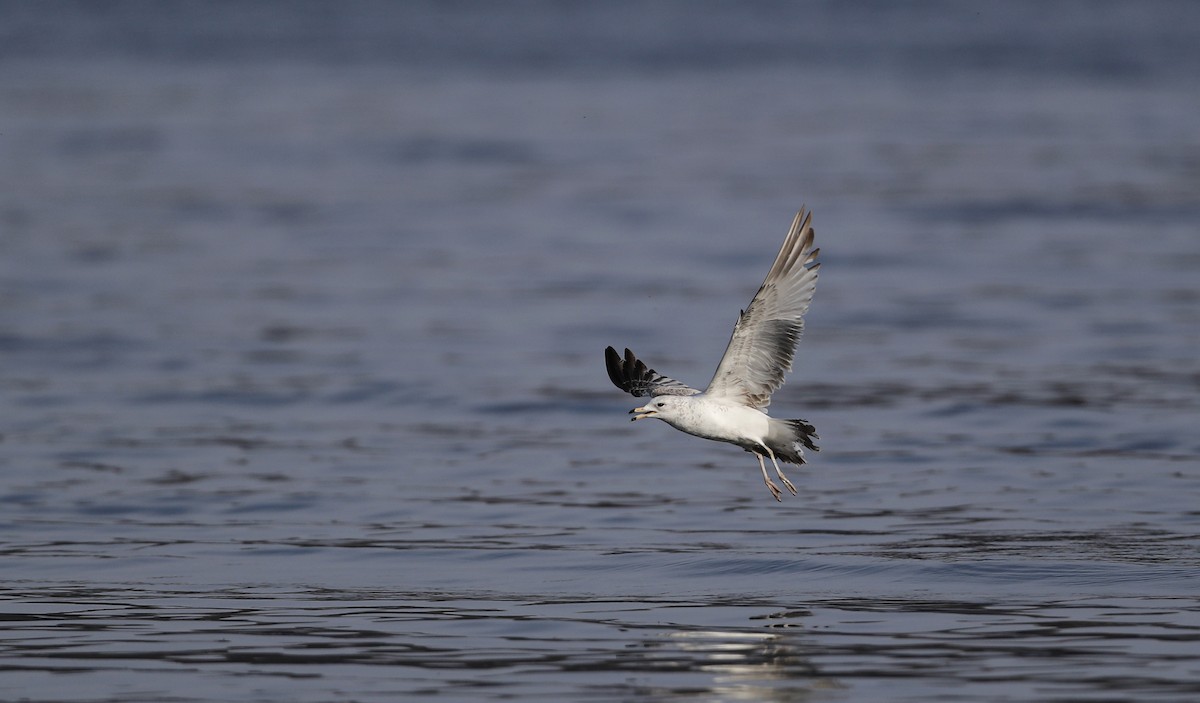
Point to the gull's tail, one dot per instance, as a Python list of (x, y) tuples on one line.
[(789, 438)]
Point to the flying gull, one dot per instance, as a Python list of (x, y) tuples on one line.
[(733, 407)]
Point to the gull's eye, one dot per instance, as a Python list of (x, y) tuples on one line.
[(660, 404)]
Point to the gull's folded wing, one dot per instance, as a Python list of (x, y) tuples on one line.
[(764, 339), (637, 379)]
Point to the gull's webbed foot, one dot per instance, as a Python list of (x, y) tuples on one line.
[(775, 490), (779, 473), (771, 484)]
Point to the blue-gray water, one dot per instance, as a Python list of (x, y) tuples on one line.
[(302, 311)]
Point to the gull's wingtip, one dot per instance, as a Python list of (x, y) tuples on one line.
[(612, 362)]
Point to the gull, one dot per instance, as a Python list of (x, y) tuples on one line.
[(733, 407)]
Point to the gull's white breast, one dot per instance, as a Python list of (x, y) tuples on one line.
[(722, 420)]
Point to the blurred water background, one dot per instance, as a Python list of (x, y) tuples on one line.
[(302, 311)]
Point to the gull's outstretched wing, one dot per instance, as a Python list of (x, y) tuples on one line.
[(764, 339), (637, 379)]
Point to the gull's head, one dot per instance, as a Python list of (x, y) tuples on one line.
[(662, 407)]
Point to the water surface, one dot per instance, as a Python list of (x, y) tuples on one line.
[(301, 340)]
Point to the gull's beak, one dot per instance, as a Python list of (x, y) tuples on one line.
[(645, 413)]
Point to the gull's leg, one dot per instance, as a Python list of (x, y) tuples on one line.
[(770, 484), (778, 470)]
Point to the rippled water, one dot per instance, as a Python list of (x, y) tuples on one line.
[(301, 336)]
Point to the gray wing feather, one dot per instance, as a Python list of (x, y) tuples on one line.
[(764, 338), (637, 379)]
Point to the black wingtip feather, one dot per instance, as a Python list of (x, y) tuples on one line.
[(633, 376), (612, 361)]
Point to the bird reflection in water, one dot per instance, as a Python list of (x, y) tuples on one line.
[(755, 666)]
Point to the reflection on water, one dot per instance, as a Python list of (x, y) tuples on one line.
[(754, 666), (301, 340), (313, 644)]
